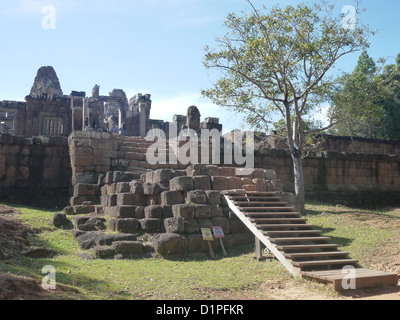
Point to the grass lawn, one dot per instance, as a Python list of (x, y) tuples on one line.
[(372, 237)]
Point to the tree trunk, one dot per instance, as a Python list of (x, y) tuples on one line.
[(298, 181)]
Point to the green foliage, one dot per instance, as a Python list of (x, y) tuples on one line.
[(380, 119)]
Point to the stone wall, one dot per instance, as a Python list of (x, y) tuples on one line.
[(353, 178), (35, 171), (349, 178)]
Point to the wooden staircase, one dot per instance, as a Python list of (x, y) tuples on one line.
[(299, 246)]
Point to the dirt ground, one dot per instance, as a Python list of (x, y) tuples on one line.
[(14, 236)]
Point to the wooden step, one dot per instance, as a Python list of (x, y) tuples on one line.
[(270, 214), (295, 233), (363, 278), (255, 199), (231, 193), (295, 221), (253, 203), (302, 264), (307, 246), (300, 239), (316, 254), (286, 226), (249, 209)]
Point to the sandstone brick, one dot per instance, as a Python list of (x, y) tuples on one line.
[(174, 225), (235, 183), (202, 211), (136, 187), (150, 225), (128, 247), (131, 199), (213, 170), (122, 212), (197, 170), (151, 188), (227, 171), (170, 243), (213, 197), (124, 225), (153, 212), (123, 187), (202, 182), (171, 197), (162, 176), (196, 197), (183, 211), (216, 211), (191, 226), (219, 183), (81, 189), (183, 183)]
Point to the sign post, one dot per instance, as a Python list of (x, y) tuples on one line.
[(219, 234), (207, 236)]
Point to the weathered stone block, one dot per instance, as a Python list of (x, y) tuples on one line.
[(136, 187), (153, 212), (69, 210), (171, 197), (84, 209), (60, 220), (183, 211), (235, 183), (191, 226), (119, 176), (204, 223), (202, 211), (139, 212), (216, 210), (196, 197), (219, 183), (93, 224), (123, 187), (167, 212), (150, 225), (104, 252), (261, 184), (174, 225), (197, 170), (170, 243), (151, 188), (108, 239), (227, 171), (162, 176), (128, 247), (81, 189), (122, 212), (213, 170), (213, 197), (183, 183), (202, 182), (197, 244), (124, 225), (131, 199)]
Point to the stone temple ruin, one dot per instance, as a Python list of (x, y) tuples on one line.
[(48, 112), (59, 149)]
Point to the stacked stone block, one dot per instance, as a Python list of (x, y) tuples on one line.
[(170, 206)]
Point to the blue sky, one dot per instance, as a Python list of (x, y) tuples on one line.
[(142, 46)]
